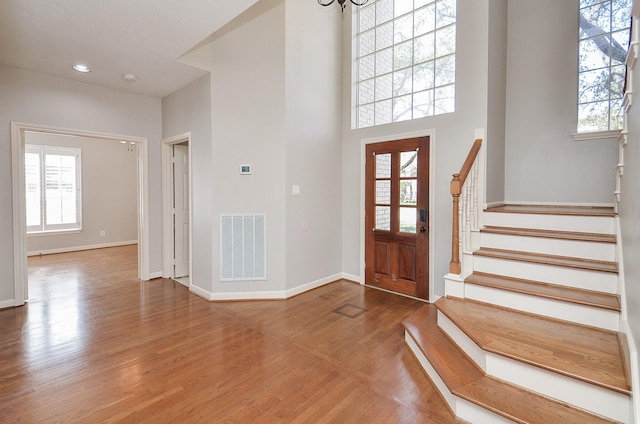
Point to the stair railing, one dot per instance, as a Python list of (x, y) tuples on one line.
[(467, 194)]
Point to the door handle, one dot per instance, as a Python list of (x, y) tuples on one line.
[(422, 229)]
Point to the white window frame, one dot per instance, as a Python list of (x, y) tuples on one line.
[(599, 133), (434, 94), (44, 228)]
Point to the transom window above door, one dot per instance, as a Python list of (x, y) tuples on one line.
[(404, 60)]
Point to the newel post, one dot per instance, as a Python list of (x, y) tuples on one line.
[(456, 189)]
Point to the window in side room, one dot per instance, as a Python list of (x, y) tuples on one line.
[(52, 185)]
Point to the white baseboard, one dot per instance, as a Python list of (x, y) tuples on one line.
[(9, 303), (79, 248), (352, 277), (494, 204), (154, 275), (264, 295), (634, 371), (312, 285)]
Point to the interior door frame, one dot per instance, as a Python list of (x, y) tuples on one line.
[(431, 133), (19, 201), (167, 206)]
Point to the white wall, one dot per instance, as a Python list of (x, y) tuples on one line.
[(189, 109), (454, 135), (543, 163), (45, 100), (247, 67), (313, 141), (496, 100), (109, 184)]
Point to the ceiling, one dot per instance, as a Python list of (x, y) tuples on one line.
[(113, 37)]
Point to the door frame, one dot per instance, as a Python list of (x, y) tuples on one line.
[(19, 201), (167, 195), (431, 133)]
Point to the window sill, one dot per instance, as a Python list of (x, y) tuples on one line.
[(596, 135), (54, 233)]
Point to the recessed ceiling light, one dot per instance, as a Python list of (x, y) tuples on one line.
[(81, 68), (123, 142)]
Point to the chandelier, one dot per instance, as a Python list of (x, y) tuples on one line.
[(342, 3)]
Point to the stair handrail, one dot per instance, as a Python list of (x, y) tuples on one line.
[(457, 183)]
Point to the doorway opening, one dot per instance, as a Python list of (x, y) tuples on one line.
[(176, 208), (137, 146)]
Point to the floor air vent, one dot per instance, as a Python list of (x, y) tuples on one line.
[(243, 247)]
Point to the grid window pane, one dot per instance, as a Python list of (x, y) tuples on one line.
[(602, 51), (52, 188), (383, 192), (366, 67), (410, 50), (383, 218), (383, 165), (384, 61), (408, 220)]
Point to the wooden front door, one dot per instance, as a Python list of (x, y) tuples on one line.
[(397, 211)]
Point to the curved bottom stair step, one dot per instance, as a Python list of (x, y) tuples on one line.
[(466, 381), (587, 354)]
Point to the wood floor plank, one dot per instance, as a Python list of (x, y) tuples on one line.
[(95, 345), (555, 210), (552, 234), (554, 260), (546, 290)]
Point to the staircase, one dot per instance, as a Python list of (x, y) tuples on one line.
[(531, 333)]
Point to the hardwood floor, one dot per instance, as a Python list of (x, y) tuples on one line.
[(95, 345)]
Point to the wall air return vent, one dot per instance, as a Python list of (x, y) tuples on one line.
[(243, 247)]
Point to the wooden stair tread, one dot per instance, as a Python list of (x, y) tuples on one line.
[(541, 258), (584, 353), (605, 211), (546, 290), (467, 381), (554, 234)]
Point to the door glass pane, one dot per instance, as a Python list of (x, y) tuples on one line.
[(409, 164), (408, 220), (383, 166), (383, 192), (408, 192), (383, 218)]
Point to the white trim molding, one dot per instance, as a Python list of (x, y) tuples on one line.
[(264, 295), (596, 135)]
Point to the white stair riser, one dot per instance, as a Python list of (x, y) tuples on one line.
[(589, 397), (475, 414), (575, 392), (470, 412), (585, 224), (559, 247), (449, 397), (606, 282), (567, 311)]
